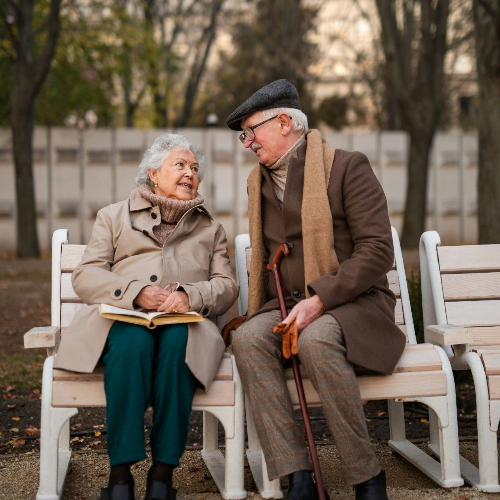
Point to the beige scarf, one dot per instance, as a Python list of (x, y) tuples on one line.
[(317, 225)]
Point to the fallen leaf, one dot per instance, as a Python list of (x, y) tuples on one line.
[(16, 419), (465, 496), (10, 388), (18, 441), (97, 433), (36, 391), (206, 489), (90, 462), (76, 440), (32, 431), (11, 407), (14, 429), (424, 420), (94, 443)]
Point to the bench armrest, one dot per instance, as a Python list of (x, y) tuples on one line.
[(448, 334), (45, 336)]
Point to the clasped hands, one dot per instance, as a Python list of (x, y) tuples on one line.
[(302, 315), (150, 296)]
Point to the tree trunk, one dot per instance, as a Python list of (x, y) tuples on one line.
[(22, 134), (487, 26), (416, 189)]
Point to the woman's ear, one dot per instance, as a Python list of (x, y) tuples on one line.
[(153, 176)]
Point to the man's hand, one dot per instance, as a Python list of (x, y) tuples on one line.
[(176, 302), (305, 312), (149, 297)]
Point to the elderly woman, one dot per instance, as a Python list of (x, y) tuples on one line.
[(162, 235)]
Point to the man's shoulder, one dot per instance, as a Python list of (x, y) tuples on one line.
[(343, 157)]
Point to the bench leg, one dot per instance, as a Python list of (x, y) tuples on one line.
[(54, 441), (486, 478), (257, 461)]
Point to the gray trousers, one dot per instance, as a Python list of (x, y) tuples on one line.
[(322, 352)]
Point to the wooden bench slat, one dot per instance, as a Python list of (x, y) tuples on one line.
[(486, 335), (471, 286), (398, 313), (67, 292), (68, 312), (491, 362), (485, 349), (473, 313), (71, 255), (73, 394), (469, 258), (399, 385), (225, 372), (494, 386)]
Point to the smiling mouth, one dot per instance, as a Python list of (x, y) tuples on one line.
[(186, 185)]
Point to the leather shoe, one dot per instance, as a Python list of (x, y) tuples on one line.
[(160, 490), (373, 489), (118, 491), (301, 486)]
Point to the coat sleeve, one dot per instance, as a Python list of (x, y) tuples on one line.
[(93, 280), (215, 296), (365, 208)]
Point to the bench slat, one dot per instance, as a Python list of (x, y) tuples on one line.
[(71, 255), (73, 394), (225, 372), (486, 336), (67, 292), (473, 313), (491, 362), (469, 258), (398, 313), (68, 312), (471, 286), (494, 386), (399, 385)]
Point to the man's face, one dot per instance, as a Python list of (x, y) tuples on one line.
[(269, 144)]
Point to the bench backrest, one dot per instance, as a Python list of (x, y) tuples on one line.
[(461, 286), (396, 277)]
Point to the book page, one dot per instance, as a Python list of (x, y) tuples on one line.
[(155, 314), (107, 309)]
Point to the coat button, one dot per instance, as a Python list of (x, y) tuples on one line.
[(290, 244), (205, 311), (296, 294), (145, 232), (118, 293), (153, 215), (153, 278)]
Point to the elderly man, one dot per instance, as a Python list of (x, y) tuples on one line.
[(330, 208)]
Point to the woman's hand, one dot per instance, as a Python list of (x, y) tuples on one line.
[(176, 302), (149, 297)]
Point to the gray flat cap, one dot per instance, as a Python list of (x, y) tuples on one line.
[(278, 94)]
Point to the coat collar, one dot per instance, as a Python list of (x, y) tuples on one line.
[(137, 203)]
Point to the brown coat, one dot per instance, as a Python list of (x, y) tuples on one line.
[(123, 256), (357, 293)]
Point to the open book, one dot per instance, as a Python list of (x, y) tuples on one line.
[(151, 319)]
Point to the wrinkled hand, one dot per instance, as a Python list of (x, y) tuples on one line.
[(176, 302), (290, 337), (149, 297), (305, 312)]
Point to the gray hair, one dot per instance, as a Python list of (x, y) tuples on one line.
[(155, 156), (299, 119)]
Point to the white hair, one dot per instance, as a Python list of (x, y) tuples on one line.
[(299, 119), (155, 156)]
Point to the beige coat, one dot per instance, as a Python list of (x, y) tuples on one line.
[(123, 256)]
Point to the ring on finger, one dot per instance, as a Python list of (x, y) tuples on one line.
[(175, 311), (159, 303)]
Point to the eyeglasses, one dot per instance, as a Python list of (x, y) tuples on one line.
[(249, 132)]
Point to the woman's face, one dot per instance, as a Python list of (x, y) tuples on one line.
[(177, 178)]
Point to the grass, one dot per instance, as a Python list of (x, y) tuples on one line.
[(21, 371)]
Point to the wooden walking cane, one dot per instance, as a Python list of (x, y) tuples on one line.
[(274, 266)]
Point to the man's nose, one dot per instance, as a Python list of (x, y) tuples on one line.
[(247, 142)]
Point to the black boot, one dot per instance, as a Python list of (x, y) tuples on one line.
[(373, 489), (118, 491), (301, 486), (157, 489)]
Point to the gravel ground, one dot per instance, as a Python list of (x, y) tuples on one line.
[(88, 473)]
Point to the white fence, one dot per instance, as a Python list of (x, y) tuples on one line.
[(79, 172)]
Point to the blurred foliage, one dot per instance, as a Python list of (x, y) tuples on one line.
[(333, 112), (269, 42)]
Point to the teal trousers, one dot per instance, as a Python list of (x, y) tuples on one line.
[(147, 367)]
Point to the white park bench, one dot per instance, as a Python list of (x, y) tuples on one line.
[(461, 306), (63, 392), (423, 374)]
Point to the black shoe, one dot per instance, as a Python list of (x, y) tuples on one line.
[(160, 490), (301, 486), (373, 489), (118, 491)]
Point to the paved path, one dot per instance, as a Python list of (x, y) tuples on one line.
[(89, 470)]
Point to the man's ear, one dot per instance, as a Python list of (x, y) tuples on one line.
[(285, 124)]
